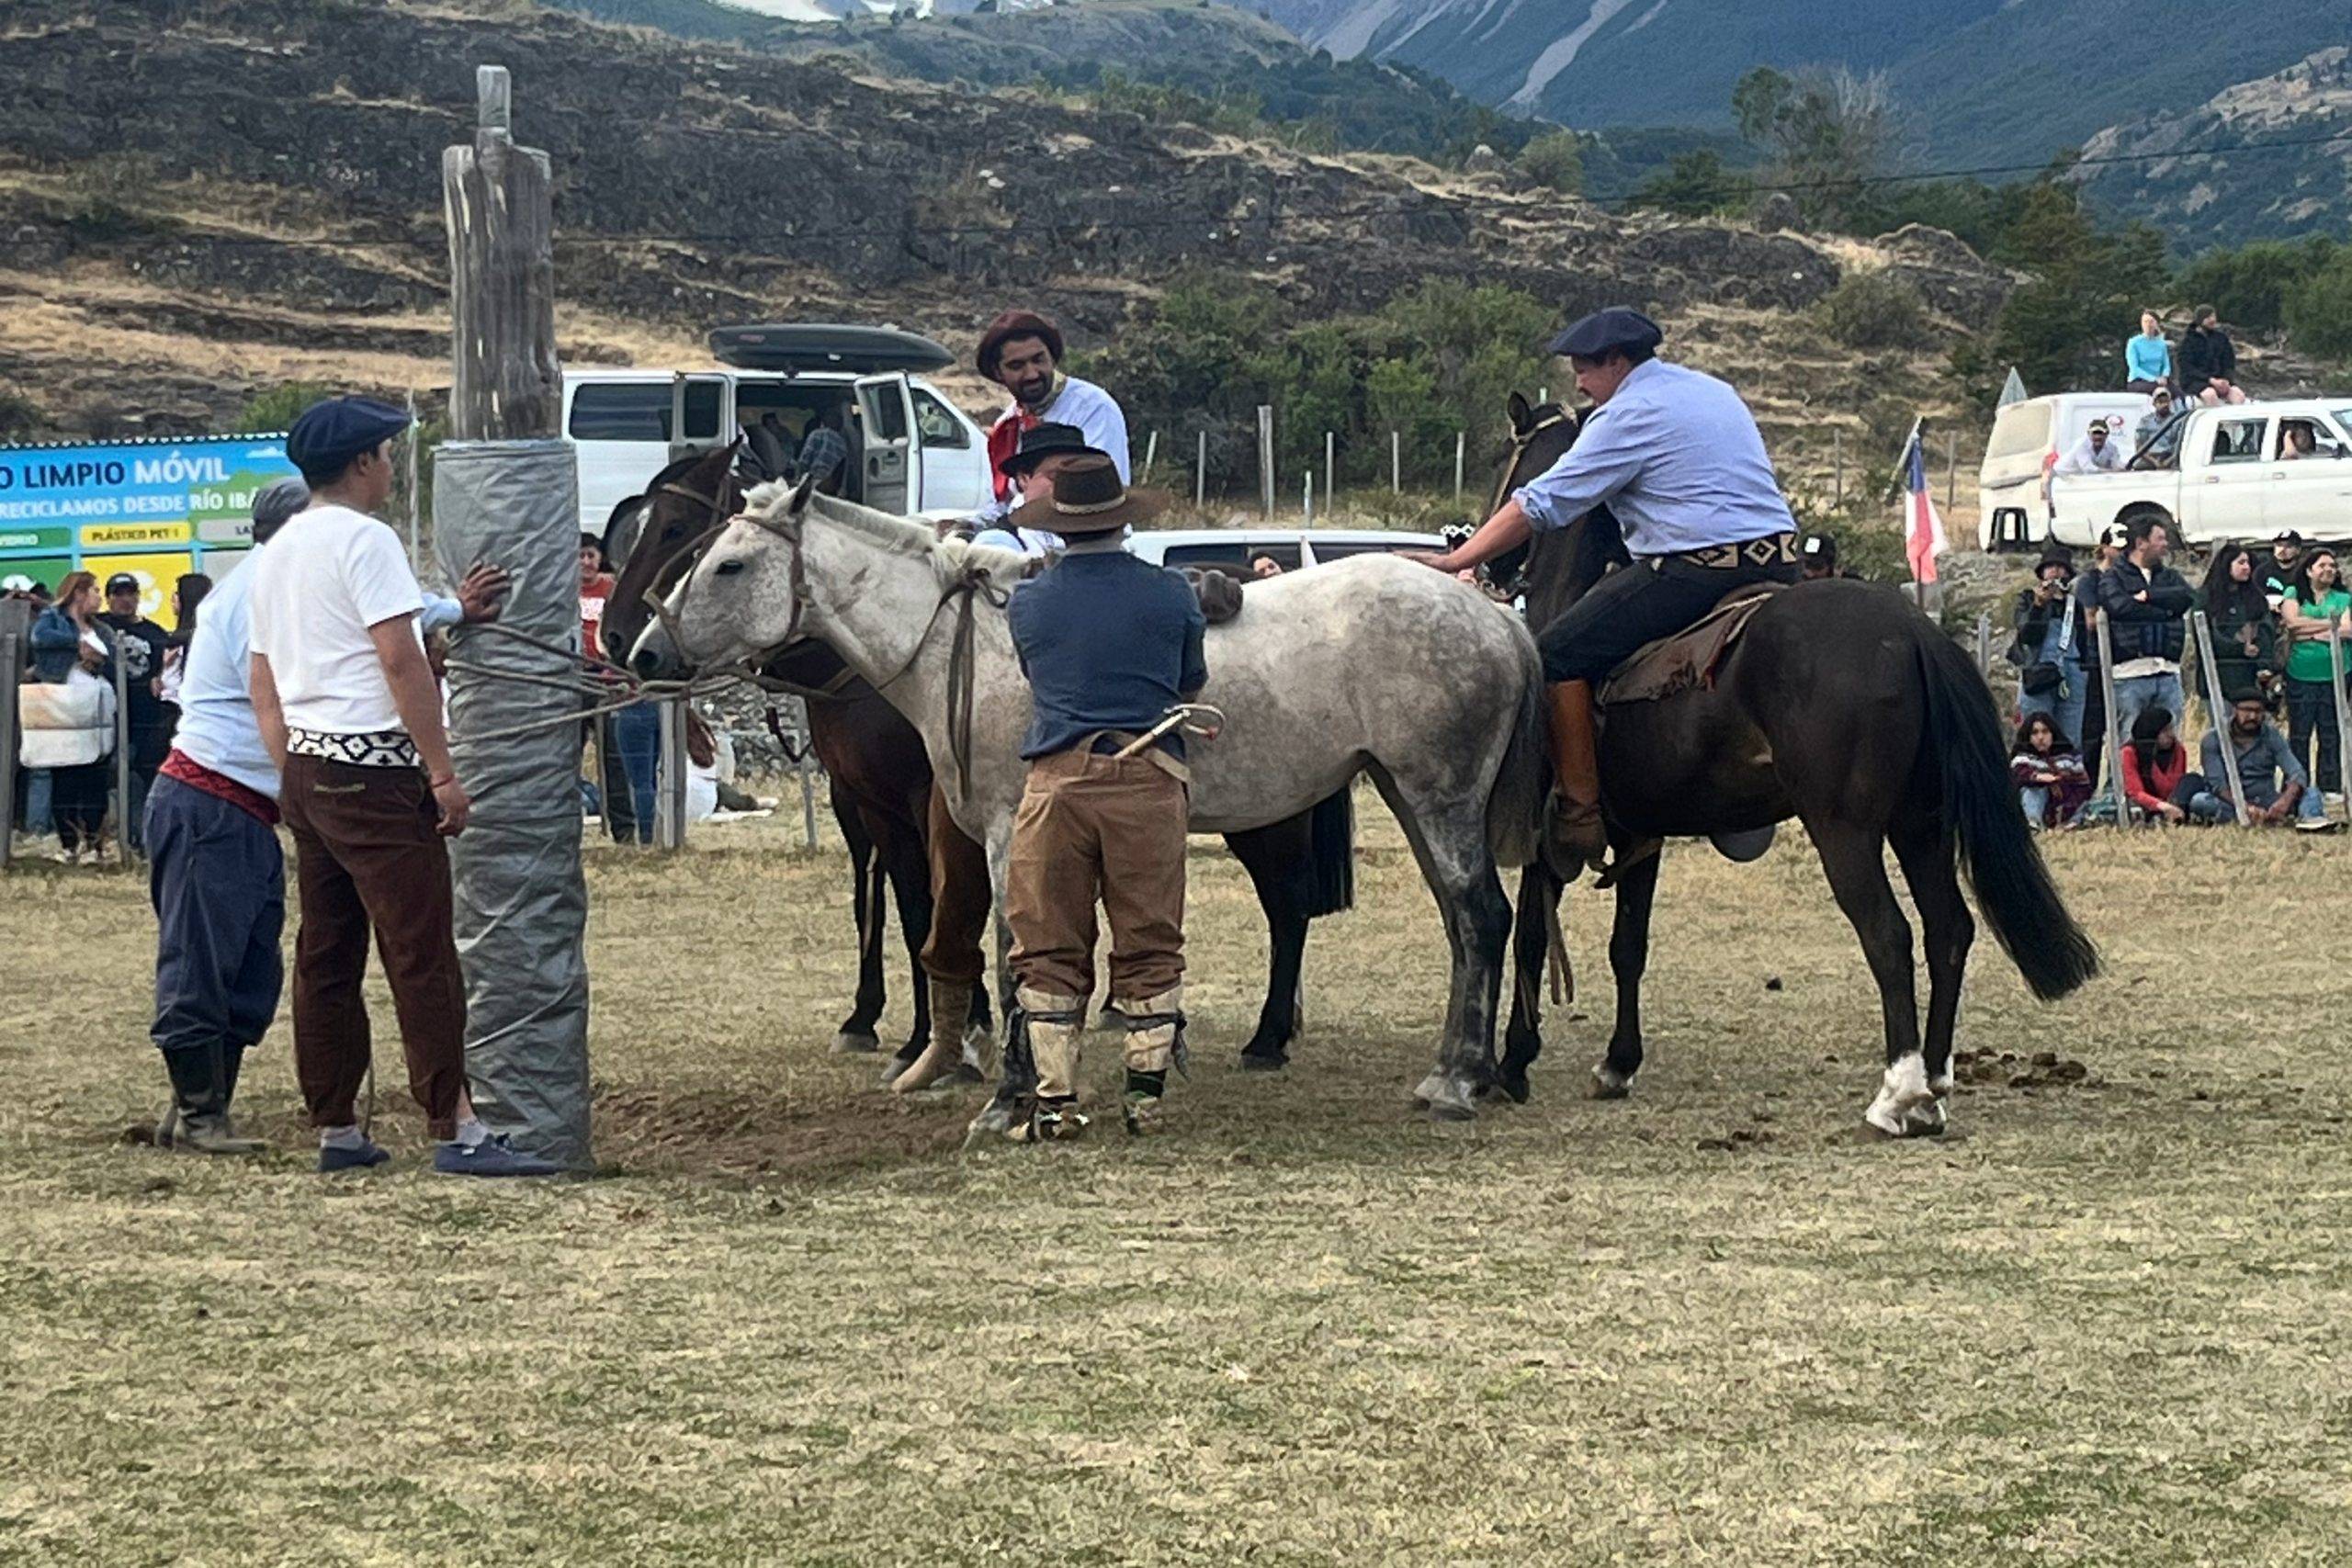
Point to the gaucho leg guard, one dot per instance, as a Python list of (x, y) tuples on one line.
[(1155, 1043), (1055, 1026)]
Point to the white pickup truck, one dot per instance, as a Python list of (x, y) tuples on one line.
[(2242, 471)]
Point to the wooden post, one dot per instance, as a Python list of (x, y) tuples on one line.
[(1837, 456), (1266, 457), (121, 753), (412, 440), (1306, 502), (506, 492), (1396, 462), (16, 620), (2114, 730), (1461, 452), (1951, 470), (1150, 456), (1330, 468), (2217, 711), (498, 199), (2342, 718), (1201, 473)]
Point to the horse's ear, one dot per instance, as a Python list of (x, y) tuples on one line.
[(800, 494), (1522, 416)]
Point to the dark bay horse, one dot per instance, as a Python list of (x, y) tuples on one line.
[(1845, 707), (1301, 868)]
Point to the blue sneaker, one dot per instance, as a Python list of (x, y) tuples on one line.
[(334, 1157), (493, 1157)]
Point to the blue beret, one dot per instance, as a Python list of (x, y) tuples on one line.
[(1619, 326), (329, 433)]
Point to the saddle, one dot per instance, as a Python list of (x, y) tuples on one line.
[(1689, 658)]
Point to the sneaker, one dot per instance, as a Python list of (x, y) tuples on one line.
[(493, 1157), (338, 1157), (2317, 825)]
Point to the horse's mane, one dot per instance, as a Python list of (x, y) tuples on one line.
[(908, 536)]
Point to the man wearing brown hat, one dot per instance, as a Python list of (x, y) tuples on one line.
[(1022, 351), (1110, 645)]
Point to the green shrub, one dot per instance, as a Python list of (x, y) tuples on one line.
[(1554, 160), (1873, 309), (2250, 286), (2318, 313), (273, 408)]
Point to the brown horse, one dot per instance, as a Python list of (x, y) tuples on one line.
[(1301, 868), (1841, 705)]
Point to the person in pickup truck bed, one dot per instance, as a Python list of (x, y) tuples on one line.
[(2245, 627), (2317, 600), (2147, 605), (2094, 454), (2147, 358), (2209, 361), (2149, 434)]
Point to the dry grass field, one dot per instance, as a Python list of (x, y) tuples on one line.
[(2101, 1323)]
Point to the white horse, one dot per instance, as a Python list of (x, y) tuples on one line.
[(1368, 665)]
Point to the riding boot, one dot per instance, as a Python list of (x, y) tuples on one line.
[(1155, 1043), (1057, 1025), (951, 1014), (1576, 837), (200, 1100)]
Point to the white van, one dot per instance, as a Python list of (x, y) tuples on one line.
[(2027, 438), (912, 451)]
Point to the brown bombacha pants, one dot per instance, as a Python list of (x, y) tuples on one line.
[(369, 854), (1096, 827)]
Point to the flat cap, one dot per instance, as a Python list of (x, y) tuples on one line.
[(1617, 327), (329, 433)]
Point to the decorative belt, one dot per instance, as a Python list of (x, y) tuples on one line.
[(1773, 549), (373, 749)]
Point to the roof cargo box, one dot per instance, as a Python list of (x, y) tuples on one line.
[(795, 348)]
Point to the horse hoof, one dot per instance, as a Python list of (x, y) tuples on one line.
[(997, 1119), (1264, 1061), (1448, 1099), (848, 1044), (1514, 1084), (1608, 1084), (894, 1066)]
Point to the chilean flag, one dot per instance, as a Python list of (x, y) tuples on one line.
[(1923, 531)]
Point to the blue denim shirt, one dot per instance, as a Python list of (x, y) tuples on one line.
[(1108, 641)]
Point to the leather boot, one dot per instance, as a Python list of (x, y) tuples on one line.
[(200, 1099), (1155, 1043), (1576, 837), (951, 1014), (1056, 1026)]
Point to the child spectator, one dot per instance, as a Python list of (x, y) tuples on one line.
[(2048, 772), (2147, 358), (2156, 776), (2316, 602)]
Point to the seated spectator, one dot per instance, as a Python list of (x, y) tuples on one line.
[(2044, 623), (2150, 434), (2209, 361), (2317, 600), (2147, 358), (2245, 628), (2277, 789), (2094, 454), (2049, 774), (2156, 776), (1264, 565)]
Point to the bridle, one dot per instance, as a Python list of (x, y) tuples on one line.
[(1521, 441)]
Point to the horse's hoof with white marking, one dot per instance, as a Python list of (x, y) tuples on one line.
[(1903, 1094), (1925, 1120), (846, 1044), (1448, 1099), (1608, 1084), (997, 1119)]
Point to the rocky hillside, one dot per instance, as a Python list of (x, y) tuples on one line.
[(255, 198)]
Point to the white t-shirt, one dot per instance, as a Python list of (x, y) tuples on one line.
[(329, 575)]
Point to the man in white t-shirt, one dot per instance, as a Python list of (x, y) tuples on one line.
[(351, 712)]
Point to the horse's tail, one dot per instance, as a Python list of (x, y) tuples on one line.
[(1331, 854), (2013, 887), (1515, 806)]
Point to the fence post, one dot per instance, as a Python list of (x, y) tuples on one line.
[(1201, 473), (1266, 457), (1396, 462), (415, 504), (2342, 718), (1461, 450), (1150, 455), (1951, 470), (121, 752), (1307, 503), (14, 617), (1985, 645), (669, 776), (1330, 469), (2114, 730), (1837, 456), (2217, 711)]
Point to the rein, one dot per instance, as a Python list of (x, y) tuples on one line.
[(1521, 440)]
